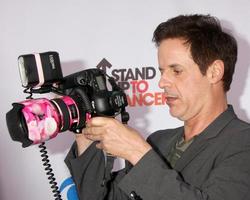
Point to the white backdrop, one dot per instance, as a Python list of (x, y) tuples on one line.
[(84, 32)]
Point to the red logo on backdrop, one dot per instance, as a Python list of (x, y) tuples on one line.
[(136, 83)]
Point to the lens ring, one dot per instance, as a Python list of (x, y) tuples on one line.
[(65, 117)]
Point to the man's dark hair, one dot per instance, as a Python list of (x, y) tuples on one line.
[(207, 41)]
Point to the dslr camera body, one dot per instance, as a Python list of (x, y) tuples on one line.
[(83, 95)]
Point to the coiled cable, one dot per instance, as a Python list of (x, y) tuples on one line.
[(49, 171)]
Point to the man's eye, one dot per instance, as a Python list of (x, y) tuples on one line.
[(177, 72)]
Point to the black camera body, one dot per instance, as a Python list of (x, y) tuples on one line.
[(83, 95)]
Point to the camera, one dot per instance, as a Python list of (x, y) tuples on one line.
[(82, 95)]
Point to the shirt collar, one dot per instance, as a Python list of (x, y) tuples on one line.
[(219, 123)]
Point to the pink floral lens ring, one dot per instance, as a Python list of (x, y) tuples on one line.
[(42, 119)]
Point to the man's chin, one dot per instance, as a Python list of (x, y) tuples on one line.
[(174, 113)]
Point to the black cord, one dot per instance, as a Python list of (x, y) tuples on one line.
[(28, 91), (49, 171)]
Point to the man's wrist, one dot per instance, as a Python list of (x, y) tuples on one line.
[(137, 155)]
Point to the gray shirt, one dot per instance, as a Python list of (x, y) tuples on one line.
[(178, 149)]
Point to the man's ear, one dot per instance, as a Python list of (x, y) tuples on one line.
[(215, 71)]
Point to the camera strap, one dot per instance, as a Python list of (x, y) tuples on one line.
[(109, 162)]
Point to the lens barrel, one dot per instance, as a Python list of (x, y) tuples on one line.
[(36, 120)]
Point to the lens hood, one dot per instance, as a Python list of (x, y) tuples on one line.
[(16, 125)]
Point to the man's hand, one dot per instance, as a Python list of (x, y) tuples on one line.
[(116, 138)]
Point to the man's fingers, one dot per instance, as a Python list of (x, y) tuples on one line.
[(98, 121), (93, 133), (100, 145), (94, 137)]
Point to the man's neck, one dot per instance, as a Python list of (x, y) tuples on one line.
[(197, 124)]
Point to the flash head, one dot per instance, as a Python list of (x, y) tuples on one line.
[(39, 69)]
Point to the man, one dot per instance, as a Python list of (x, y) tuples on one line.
[(207, 158)]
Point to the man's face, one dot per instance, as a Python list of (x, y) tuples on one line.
[(186, 89)]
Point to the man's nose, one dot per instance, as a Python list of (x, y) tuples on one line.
[(164, 82)]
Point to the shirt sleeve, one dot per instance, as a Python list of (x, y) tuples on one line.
[(92, 175), (87, 171)]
